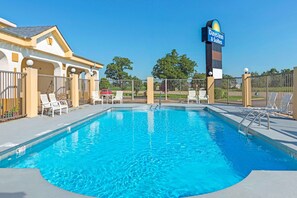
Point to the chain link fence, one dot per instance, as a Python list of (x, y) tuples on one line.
[(228, 90), (140, 87), (263, 85), (176, 90), (123, 85), (166, 90), (133, 90)]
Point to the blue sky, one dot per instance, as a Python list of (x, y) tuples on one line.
[(259, 34)]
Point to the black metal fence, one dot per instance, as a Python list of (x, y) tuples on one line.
[(12, 95), (84, 91), (59, 85)]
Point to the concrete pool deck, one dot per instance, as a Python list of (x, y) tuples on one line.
[(14, 182)]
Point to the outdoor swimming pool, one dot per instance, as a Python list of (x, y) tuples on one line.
[(142, 153)]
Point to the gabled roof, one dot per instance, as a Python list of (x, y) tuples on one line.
[(25, 32), (27, 36)]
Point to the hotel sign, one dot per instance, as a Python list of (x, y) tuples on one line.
[(214, 40), (215, 37)]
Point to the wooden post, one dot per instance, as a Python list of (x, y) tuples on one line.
[(92, 85), (210, 89), (150, 90), (74, 90), (31, 92), (246, 90)]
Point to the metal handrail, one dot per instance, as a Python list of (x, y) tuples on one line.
[(259, 116), (256, 115)]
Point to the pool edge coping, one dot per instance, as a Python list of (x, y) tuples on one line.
[(89, 117), (253, 131)]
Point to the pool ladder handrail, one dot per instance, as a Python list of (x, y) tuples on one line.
[(158, 105), (256, 115), (160, 99), (153, 107)]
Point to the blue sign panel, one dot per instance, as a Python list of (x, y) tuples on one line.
[(215, 37)]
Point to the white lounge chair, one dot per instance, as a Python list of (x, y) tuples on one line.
[(259, 113), (118, 97), (96, 98), (46, 104), (202, 96), (62, 103), (284, 105), (270, 103), (192, 96), (271, 100)]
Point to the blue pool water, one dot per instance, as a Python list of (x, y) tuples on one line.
[(165, 153)]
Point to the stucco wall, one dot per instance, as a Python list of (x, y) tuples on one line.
[(8, 49), (54, 48)]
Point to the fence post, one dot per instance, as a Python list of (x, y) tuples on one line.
[(150, 90), (132, 90), (166, 89), (246, 90), (31, 92), (210, 89), (295, 93), (74, 90), (92, 85)]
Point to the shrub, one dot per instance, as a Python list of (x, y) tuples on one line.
[(104, 83), (220, 93)]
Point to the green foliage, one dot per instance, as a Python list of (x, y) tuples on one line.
[(198, 81), (228, 81), (272, 71), (137, 84), (272, 78), (199, 76), (104, 83), (15, 109), (173, 66), (219, 93), (254, 74), (115, 70), (286, 71)]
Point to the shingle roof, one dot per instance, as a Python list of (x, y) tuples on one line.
[(25, 32)]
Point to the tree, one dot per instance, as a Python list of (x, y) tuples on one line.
[(115, 70), (201, 76), (198, 81), (254, 74), (228, 78), (272, 71), (104, 83), (173, 66), (286, 71), (137, 84)]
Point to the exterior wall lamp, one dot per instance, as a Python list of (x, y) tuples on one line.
[(29, 63), (246, 70), (73, 70)]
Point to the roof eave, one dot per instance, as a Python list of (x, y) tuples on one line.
[(95, 62)]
